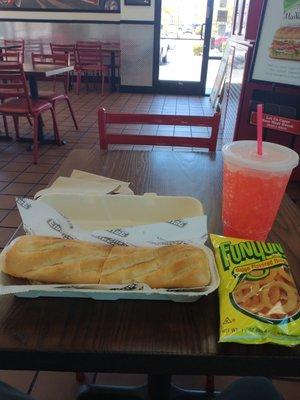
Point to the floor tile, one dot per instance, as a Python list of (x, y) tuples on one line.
[(48, 160), (39, 168), (5, 235), (15, 166), (7, 202), (24, 158), (12, 220), (46, 179), (18, 189), (35, 189), (290, 390), (55, 386), (18, 379), (29, 177), (3, 185), (3, 213), (8, 176)]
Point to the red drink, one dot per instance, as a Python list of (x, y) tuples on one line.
[(253, 187)]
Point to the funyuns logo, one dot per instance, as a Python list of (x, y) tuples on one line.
[(255, 251)]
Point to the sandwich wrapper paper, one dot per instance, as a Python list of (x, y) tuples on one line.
[(81, 182), (41, 219)]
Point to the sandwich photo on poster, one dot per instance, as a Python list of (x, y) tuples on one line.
[(277, 57), (62, 5)]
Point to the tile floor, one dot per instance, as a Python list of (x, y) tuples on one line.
[(18, 177)]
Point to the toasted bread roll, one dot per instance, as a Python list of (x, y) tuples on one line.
[(52, 260)]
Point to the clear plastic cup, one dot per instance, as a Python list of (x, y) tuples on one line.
[(253, 187)]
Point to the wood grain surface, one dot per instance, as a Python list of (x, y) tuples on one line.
[(145, 336)]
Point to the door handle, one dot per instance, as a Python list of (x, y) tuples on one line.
[(201, 32)]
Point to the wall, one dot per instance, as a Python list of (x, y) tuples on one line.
[(136, 38)]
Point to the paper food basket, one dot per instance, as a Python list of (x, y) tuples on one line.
[(87, 215)]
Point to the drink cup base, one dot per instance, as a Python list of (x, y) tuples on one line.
[(259, 236)]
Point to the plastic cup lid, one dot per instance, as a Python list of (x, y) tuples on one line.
[(274, 158)]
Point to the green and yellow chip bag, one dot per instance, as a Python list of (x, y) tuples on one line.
[(259, 301)]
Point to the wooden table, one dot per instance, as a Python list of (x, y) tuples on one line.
[(33, 73), (143, 336)]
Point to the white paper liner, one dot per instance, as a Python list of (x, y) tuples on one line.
[(41, 219)]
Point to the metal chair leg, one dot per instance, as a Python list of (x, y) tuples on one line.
[(86, 78), (102, 84), (5, 125), (16, 125), (55, 127), (78, 82), (35, 139), (72, 112)]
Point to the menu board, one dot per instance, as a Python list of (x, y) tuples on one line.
[(62, 5), (277, 56)]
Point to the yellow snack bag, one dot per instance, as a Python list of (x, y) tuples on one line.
[(259, 301)]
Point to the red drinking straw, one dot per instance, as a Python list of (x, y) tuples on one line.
[(259, 129)]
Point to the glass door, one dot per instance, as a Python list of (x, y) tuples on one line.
[(220, 34), (185, 30)]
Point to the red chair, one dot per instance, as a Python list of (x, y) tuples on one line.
[(69, 49), (155, 119), (64, 48), (16, 57), (89, 60), (19, 47), (52, 96), (13, 81), (12, 56)]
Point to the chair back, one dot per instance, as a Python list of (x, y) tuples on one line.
[(64, 48), (50, 59), (19, 47), (53, 59), (13, 82), (11, 56), (212, 121), (88, 53)]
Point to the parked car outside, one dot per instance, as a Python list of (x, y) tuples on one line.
[(187, 30)]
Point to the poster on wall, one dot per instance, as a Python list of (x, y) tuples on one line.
[(277, 57), (62, 5)]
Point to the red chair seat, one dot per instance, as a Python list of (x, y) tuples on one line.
[(51, 96), (20, 106), (94, 67)]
